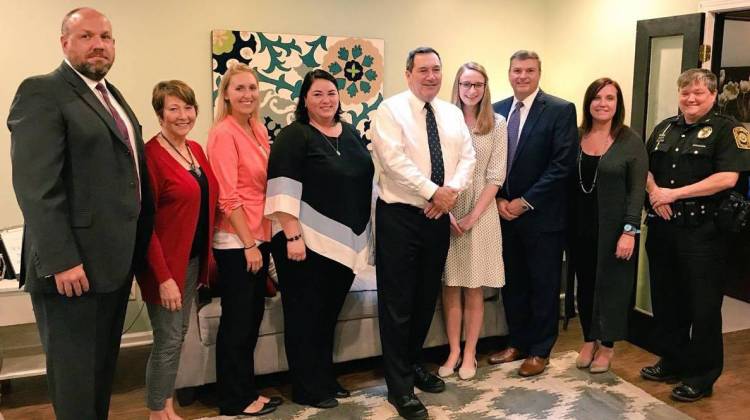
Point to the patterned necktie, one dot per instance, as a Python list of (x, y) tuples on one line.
[(436, 154), (514, 122), (116, 115), (121, 127)]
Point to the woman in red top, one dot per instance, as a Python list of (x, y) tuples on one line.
[(238, 150), (185, 194)]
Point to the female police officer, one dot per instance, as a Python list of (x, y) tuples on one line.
[(694, 159)]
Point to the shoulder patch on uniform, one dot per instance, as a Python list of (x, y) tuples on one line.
[(741, 137)]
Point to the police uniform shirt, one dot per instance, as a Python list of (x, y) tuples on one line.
[(681, 154)]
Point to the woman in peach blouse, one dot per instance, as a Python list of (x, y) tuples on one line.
[(238, 151)]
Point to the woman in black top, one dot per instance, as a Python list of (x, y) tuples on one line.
[(319, 192), (608, 190)]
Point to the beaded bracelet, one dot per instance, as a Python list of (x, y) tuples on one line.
[(294, 238)]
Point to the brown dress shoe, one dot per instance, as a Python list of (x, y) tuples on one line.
[(511, 354), (533, 365)]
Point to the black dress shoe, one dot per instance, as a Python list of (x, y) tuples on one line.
[(687, 393), (327, 403), (426, 381), (408, 407), (341, 392), (657, 373), (274, 401)]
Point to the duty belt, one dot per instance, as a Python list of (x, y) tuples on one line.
[(689, 212)]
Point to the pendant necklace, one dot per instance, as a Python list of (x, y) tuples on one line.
[(191, 162), (330, 143)]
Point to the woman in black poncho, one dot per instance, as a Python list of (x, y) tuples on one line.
[(319, 193)]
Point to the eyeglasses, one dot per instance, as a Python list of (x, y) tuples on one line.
[(469, 85)]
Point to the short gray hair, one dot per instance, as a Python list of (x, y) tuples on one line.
[(420, 50), (525, 55), (690, 76)]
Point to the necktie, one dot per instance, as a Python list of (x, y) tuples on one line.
[(120, 127), (116, 115), (514, 122), (436, 154)]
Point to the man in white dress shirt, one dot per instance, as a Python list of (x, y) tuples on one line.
[(424, 151)]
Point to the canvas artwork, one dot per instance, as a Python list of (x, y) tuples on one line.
[(734, 93), (282, 60)]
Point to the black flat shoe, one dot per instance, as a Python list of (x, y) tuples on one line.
[(341, 392), (427, 381), (328, 403), (687, 393), (262, 412), (274, 401), (657, 373), (408, 407)]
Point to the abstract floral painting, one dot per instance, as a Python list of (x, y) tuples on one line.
[(282, 60)]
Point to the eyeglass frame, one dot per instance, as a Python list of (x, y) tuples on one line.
[(469, 85)]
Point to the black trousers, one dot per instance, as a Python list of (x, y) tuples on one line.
[(410, 258), (687, 289), (585, 249), (242, 305), (531, 295), (312, 294), (81, 338)]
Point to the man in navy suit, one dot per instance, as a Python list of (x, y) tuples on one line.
[(532, 205)]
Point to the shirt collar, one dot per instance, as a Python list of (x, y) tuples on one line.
[(90, 83), (526, 102), (416, 104)]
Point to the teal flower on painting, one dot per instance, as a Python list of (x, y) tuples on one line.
[(357, 66)]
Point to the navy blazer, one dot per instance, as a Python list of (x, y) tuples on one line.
[(544, 158)]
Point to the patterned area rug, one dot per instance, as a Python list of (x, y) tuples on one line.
[(562, 392)]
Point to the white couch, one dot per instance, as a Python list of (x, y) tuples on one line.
[(357, 334)]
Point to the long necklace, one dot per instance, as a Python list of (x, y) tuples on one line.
[(580, 173), (330, 143), (191, 162)]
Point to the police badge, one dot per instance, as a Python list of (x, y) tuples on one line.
[(705, 132)]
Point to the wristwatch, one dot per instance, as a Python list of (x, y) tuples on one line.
[(630, 229)]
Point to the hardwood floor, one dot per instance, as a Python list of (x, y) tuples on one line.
[(731, 400)]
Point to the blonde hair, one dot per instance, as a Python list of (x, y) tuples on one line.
[(223, 107), (485, 115)]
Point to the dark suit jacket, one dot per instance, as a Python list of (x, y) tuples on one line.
[(76, 184), (544, 158)]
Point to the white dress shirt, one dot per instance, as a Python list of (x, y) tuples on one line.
[(525, 110), (402, 154), (116, 105)]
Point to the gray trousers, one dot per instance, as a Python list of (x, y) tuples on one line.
[(169, 330)]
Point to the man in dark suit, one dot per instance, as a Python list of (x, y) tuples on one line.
[(80, 179), (541, 153)]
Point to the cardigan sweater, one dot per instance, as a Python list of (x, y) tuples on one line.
[(177, 199)]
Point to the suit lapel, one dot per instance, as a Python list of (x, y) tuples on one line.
[(504, 107), (537, 108), (80, 87)]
